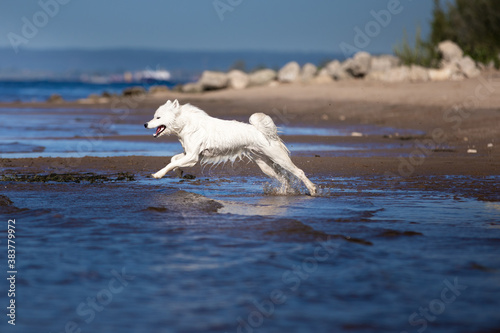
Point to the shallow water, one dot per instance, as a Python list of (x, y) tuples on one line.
[(217, 254), (29, 133)]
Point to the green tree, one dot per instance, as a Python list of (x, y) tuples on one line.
[(473, 25), (476, 28)]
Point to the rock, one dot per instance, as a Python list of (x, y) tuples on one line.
[(333, 67), (442, 74), (5, 201), (158, 89), (262, 77), (133, 91), (375, 75), (468, 67), (418, 74), (189, 202), (211, 80), (450, 51), (336, 70), (192, 88), (289, 72), (323, 77), (308, 72), (94, 99), (177, 88), (393, 75), (323, 72), (384, 62), (238, 79), (359, 66), (455, 74), (55, 98)]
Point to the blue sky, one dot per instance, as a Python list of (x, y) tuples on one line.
[(299, 25)]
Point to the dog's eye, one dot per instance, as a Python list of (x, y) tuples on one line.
[(157, 117)]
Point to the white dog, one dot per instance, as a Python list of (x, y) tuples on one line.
[(211, 140)]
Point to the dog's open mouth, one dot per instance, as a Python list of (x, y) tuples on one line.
[(159, 130)]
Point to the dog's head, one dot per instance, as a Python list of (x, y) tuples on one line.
[(164, 118)]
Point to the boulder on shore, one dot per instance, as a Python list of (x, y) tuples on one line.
[(211, 80), (384, 62), (55, 98), (261, 77), (450, 51), (238, 79), (336, 70), (289, 73), (359, 65), (418, 74), (133, 91), (393, 75), (158, 89), (441, 74), (323, 77), (308, 72), (192, 88), (468, 67)]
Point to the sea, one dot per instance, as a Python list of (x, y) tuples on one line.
[(34, 75), (72, 90)]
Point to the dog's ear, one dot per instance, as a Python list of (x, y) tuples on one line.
[(175, 104)]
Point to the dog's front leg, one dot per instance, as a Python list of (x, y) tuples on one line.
[(186, 161), (161, 173)]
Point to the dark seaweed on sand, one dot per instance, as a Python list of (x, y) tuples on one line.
[(68, 178)]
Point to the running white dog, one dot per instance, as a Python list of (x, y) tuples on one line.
[(213, 141)]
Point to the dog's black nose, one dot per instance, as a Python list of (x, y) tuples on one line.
[(146, 125)]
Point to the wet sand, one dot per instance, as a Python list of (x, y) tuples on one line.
[(453, 117)]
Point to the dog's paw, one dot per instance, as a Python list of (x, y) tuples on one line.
[(313, 191), (156, 175)]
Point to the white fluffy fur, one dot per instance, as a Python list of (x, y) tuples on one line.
[(210, 140)]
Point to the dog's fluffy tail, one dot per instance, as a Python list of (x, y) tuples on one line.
[(266, 126)]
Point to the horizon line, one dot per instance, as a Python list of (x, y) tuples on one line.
[(173, 50)]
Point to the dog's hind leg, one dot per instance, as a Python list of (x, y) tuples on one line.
[(281, 158), (266, 168)]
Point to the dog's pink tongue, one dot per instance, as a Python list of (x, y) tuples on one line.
[(158, 130)]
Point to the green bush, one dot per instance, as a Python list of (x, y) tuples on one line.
[(422, 53)]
